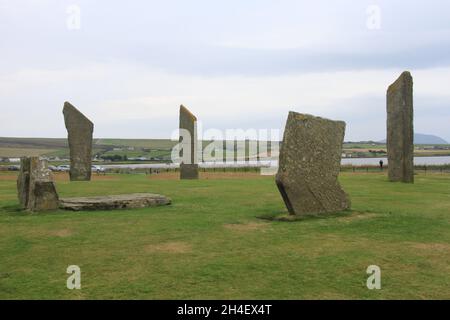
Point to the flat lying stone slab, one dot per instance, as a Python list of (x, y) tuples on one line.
[(124, 201)]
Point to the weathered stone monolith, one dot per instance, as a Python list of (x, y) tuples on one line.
[(23, 182), (189, 144), (309, 163), (35, 188), (400, 131), (79, 129)]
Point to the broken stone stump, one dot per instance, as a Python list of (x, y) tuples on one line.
[(189, 144), (309, 164), (79, 129), (45, 196), (125, 201), (400, 131), (35, 189)]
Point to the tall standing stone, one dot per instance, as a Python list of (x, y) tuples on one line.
[(79, 129), (23, 182), (309, 164), (35, 188), (189, 144), (400, 130)]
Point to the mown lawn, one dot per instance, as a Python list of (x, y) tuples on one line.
[(210, 243)]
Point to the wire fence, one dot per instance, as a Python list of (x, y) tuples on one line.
[(417, 168), (424, 169)]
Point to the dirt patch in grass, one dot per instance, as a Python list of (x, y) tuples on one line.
[(207, 175), (246, 227), (319, 246), (164, 176), (361, 171), (445, 247), (436, 255), (61, 233), (229, 175), (169, 247), (62, 176), (8, 177), (356, 216)]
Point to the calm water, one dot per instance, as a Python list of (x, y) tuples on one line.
[(267, 163)]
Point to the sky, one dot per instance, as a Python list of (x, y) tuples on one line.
[(235, 64)]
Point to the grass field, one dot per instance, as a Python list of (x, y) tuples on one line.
[(23, 152), (210, 242)]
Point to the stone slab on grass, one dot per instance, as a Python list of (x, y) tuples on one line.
[(125, 201)]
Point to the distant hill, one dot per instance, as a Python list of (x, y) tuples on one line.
[(420, 138)]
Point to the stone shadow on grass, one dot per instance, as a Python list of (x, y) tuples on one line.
[(13, 210), (285, 217)]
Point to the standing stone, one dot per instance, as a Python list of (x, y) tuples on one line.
[(36, 190), (189, 144), (23, 182), (400, 131), (309, 164), (79, 129)]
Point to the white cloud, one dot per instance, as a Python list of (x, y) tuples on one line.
[(111, 93)]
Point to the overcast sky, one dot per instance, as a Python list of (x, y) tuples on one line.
[(128, 65)]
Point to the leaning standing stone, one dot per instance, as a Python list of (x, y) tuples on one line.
[(309, 164), (79, 129), (189, 144), (400, 131)]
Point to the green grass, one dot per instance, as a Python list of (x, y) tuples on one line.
[(139, 143), (210, 244)]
